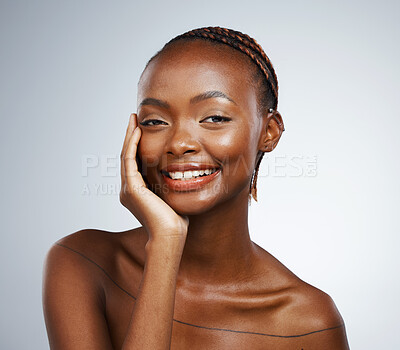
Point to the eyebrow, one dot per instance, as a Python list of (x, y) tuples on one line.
[(198, 98)]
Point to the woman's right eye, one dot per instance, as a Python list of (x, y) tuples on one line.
[(152, 122)]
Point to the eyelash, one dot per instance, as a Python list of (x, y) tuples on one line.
[(224, 119), (146, 122)]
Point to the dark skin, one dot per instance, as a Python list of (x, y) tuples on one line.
[(190, 277)]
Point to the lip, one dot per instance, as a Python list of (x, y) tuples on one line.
[(188, 185)]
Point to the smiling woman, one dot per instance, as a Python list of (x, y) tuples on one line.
[(190, 276)]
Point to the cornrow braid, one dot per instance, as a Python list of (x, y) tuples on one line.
[(265, 72)]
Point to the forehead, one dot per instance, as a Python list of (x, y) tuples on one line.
[(190, 68)]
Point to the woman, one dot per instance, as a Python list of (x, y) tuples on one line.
[(189, 277)]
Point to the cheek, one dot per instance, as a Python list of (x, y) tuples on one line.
[(235, 150), (150, 151)]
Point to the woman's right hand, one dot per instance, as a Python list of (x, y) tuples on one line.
[(157, 217)]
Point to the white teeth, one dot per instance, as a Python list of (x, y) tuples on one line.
[(188, 175), (176, 175)]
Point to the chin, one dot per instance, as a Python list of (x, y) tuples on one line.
[(192, 203)]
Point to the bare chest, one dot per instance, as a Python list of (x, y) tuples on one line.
[(201, 323)]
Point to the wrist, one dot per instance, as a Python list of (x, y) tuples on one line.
[(172, 245)]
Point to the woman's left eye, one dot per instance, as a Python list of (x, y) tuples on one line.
[(217, 119)]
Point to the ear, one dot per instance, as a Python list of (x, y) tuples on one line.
[(272, 130)]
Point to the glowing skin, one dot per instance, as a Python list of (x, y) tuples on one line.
[(190, 277), (187, 132)]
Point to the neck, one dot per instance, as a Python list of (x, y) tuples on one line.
[(218, 246)]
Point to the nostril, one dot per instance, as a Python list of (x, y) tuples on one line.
[(187, 151), (178, 145)]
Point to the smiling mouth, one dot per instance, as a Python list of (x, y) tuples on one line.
[(189, 175)]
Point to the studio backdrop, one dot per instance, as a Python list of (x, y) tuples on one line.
[(328, 194)]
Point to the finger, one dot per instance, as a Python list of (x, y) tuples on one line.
[(131, 126), (127, 136), (127, 133), (131, 168)]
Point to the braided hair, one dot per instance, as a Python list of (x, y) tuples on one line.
[(264, 76)]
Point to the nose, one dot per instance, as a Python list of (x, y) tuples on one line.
[(182, 140)]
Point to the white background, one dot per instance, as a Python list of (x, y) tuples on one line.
[(68, 80)]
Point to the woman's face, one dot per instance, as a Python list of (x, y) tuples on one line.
[(188, 125)]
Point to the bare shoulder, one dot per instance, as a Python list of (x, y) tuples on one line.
[(72, 261), (315, 320), (315, 308), (92, 239), (305, 307), (95, 257), (76, 272), (306, 317), (71, 288), (101, 247)]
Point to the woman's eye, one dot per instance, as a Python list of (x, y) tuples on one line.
[(152, 122), (217, 119)]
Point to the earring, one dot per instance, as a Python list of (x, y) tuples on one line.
[(253, 185), (271, 110)]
